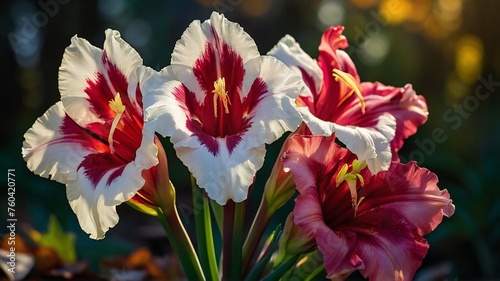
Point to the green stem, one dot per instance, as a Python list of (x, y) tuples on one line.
[(232, 240), (259, 224), (218, 212), (203, 221), (180, 242)]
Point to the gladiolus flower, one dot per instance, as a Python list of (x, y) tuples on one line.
[(371, 119), (226, 103), (359, 221), (94, 140)]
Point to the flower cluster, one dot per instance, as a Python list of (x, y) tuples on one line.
[(220, 102)]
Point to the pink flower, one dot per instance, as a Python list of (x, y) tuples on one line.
[(370, 223), (94, 140), (225, 103), (371, 119)]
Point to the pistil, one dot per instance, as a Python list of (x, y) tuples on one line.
[(117, 106)]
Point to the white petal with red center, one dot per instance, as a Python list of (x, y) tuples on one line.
[(224, 175), (90, 77), (97, 180), (291, 54), (226, 103), (213, 34), (48, 152), (229, 173), (369, 144)]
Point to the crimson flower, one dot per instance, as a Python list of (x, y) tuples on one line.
[(225, 102), (94, 140), (359, 221), (371, 119)]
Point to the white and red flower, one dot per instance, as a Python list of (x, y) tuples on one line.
[(371, 119), (227, 102), (94, 140), (359, 221)]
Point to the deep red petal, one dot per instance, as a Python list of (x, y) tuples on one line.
[(338, 252), (389, 246), (97, 165), (411, 191), (88, 138)]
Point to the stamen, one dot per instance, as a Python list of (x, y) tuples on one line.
[(341, 174), (117, 106), (352, 178), (221, 93), (358, 166), (351, 82)]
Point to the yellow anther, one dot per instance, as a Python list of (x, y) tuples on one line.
[(358, 166), (221, 93), (341, 174), (117, 106), (351, 82), (351, 178)]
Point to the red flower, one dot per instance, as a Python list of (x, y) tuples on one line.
[(359, 221), (371, 119)]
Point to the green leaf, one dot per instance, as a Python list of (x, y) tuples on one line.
[(203, 221), (62, 242), (261, 265)]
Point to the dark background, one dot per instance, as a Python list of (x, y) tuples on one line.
[(447, 49)]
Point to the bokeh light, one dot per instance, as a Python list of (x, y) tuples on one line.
[(468, 58), (375, 49), (395, 11), (330, 13)]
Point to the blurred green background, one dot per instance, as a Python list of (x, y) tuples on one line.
[(448, 49)]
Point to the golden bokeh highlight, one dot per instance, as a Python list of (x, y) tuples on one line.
[(420, 10), (395, 11), (469, 58), (450, 8)]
